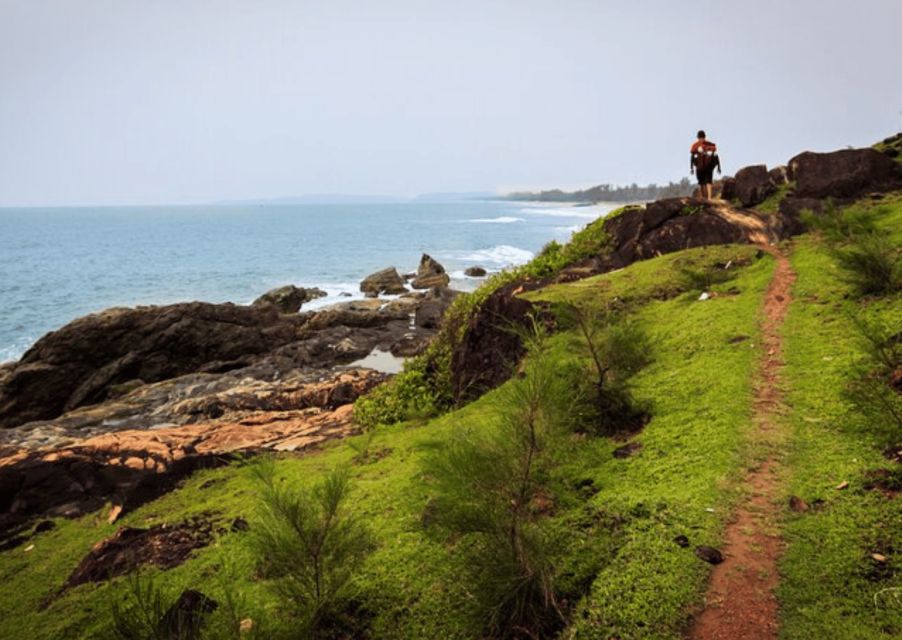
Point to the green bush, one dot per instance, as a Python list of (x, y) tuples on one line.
[(871, 390), (148, 611), (615, 348), (872, 264), (490, 491), (870, 260), (309, 545)]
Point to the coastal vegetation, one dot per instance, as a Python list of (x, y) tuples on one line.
[(609, 193)]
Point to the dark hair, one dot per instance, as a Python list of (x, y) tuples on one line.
[(701, 133)]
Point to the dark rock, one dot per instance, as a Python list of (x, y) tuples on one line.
[(78, 364), (790, 212), (490, 349), (709, 554), (681, 541), (44, 525), (430, 274), (753, 185), (737, 339), (432, 308), (779, 176), (184, 618), (844, 174), (475, 272), (410, 344), (728, 189), (387, 281), (627, 450), (239, 524), (288, 299)]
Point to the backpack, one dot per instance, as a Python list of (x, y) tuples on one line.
[(704, 155)]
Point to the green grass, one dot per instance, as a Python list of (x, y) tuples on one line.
[(694, 453), (828, 582)]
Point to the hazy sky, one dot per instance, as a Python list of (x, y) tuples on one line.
[(137, 101)]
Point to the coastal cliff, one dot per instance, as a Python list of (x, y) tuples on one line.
[(132, 423)]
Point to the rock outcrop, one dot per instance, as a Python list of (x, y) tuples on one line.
[(844, 174), (430, 274), (58, 468), (673, 224), (753, 185), (80, 363), (491, 348), (288, 299), (388, 281)]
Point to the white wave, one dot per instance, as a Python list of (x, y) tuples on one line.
[(584, 213), (500, 220), (503, 255)]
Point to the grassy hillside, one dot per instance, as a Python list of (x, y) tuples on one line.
[(619, 572)]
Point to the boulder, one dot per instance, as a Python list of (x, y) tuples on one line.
[(779, 176), (432, 308), (78, 364), (387, 281), (430, 274), (728, 188), (475, 272), (753, 185), (288, 299), (844, 174)]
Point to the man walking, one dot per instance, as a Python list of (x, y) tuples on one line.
[(702, 162)]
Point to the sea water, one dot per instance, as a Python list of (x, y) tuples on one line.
[(59, 264)]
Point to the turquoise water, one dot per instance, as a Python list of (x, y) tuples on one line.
[(59, 264)]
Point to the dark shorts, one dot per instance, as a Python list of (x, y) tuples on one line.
[(705, 176)]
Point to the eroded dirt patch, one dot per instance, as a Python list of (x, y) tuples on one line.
[(165, 546)]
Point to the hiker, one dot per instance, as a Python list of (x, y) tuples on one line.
[(702, 161)]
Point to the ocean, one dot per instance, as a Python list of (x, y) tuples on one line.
[(59, 264)]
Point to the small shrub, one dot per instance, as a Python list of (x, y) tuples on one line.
[(872, 391), (309, 544), (489, 489), (616, 348), (150, 612), (839, 225), (872, 264)]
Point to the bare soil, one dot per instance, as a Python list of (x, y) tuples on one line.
[(740, 603)]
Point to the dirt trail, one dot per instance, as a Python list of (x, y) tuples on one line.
[(740, 603)]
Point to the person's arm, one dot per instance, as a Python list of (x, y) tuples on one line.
[(717, 159), (691, 162)]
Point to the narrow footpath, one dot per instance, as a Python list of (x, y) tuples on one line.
[(740, 603)]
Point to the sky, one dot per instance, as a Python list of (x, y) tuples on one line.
[(111, 102)]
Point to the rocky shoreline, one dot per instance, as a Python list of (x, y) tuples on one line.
[(115, 407)]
